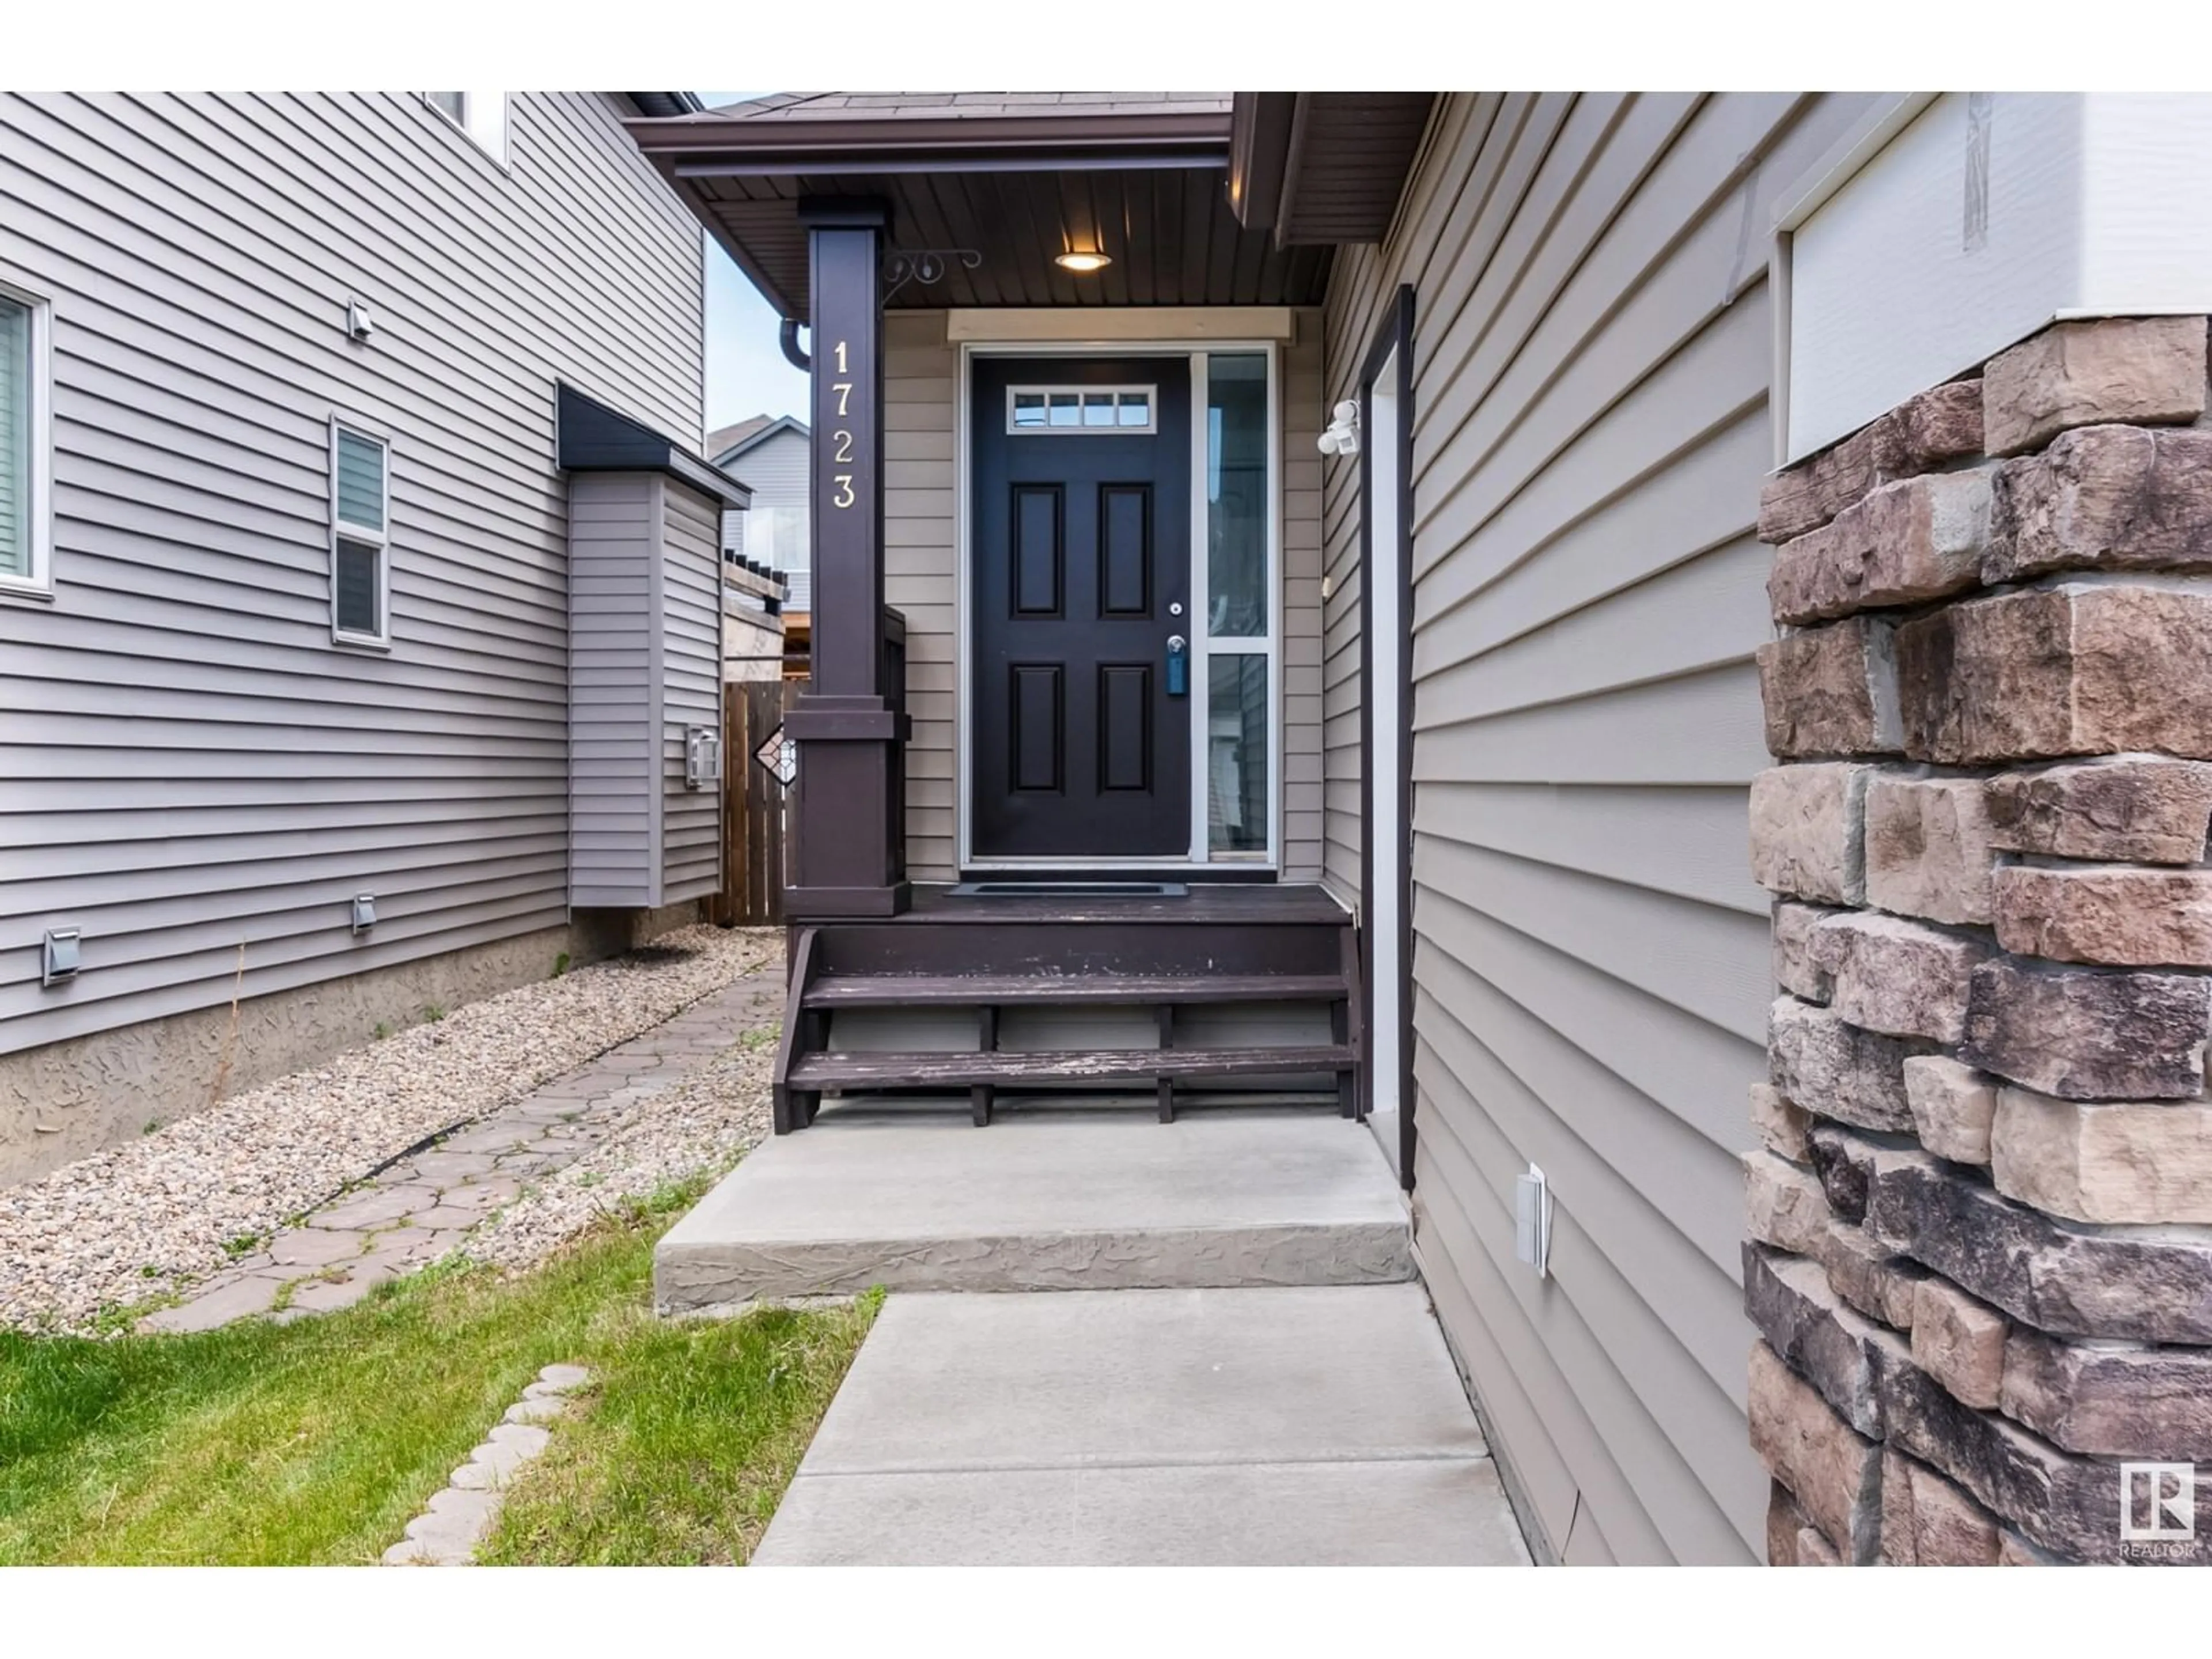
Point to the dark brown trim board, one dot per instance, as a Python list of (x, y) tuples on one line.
[(1395, 332), (1208, 874)]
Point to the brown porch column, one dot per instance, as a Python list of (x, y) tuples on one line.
[(844, 826)]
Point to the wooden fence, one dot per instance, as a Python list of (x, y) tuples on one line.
[(752, 808)]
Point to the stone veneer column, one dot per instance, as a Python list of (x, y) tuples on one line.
[(1981, 1217)]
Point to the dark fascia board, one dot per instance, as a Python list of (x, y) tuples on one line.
[(593, 438), (1259, 155), (781, 423), (703, 140), (1271, 159)]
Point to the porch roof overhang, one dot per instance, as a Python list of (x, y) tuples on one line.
[(1319, 168), (998, 186)]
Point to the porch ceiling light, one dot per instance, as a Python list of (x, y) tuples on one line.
[(1082, 263)]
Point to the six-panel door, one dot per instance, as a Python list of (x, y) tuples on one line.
[(1080, 591)]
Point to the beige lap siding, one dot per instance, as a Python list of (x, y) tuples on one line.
[(921, 571), (922, 579), (1592, 343)]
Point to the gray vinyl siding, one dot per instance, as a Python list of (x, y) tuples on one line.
[(777, 471), (615, 797), (1592, 347), (922, 579), (187, 764), (691, 691)]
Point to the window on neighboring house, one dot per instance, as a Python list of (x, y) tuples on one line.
[(361, 497), (23, 531), (777, 536), (482, 115)]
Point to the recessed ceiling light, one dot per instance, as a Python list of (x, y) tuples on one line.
[(1083, 262)]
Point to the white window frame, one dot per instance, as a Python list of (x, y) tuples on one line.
[(38, 583), (379, 539), (483, 117), (1202, 648), (1151, 428)]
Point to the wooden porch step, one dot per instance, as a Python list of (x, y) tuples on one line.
[(1005, 1069), (1065, 990)]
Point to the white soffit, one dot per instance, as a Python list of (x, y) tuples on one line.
[(1983, 220)]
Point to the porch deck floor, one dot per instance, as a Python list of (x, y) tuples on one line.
[(1048, 1201), (1204, 904), (1221, 1427)]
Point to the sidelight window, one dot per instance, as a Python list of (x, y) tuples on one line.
[(1236, 550)]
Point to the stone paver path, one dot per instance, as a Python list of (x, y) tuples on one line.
[(447, 1534), (414, 1212)]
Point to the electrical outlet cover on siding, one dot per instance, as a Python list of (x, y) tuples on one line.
[(1905, 277)]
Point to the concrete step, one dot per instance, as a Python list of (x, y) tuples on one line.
[(1250, 1427), (1053, 1201)]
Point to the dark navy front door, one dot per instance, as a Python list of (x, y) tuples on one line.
[(1081, 609)]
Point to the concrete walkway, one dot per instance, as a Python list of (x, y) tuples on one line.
[(414, 1211), (1307, 1426), (1109, 1341)]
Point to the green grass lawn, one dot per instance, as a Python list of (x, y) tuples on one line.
[(318, 1441)]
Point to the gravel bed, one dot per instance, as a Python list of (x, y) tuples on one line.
[(155, 1214), (702, 1125)]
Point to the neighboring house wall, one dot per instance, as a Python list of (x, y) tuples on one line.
[(921, 579), (774, 529), (1592, 344), (191, 763)]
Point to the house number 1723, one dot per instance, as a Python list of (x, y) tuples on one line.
[(843, 454)]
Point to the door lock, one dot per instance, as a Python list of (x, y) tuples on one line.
[(1178, 666)]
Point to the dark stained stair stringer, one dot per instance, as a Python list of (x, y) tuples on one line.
[(1283, 948)]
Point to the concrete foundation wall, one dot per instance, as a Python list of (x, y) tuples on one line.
[(67, 1100)]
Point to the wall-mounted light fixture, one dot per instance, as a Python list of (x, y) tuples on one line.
[(702, 756), (1342, 436)]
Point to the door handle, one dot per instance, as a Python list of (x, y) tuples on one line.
[(1178, 666)]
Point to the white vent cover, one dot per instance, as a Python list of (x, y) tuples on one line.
[(1532, 1220)]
